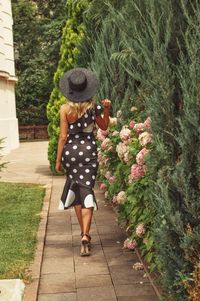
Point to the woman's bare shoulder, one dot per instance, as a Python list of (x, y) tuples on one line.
[(64, 107)]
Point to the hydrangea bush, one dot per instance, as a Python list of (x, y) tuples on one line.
[(123, 154)]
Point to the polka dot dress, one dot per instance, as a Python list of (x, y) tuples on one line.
[(79, 159)]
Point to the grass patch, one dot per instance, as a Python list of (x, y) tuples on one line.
[(20, 205)]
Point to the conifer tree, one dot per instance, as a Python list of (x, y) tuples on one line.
[(158, 53), (163, 56), (97, 49), (72, 33)]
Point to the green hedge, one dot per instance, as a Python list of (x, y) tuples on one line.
[(159, 51)]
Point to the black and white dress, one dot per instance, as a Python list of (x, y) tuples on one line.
[(79, 159)]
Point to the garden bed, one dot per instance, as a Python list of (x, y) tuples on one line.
[(20, 207)]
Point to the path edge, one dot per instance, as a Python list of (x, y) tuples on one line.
[(157, 289), (31, 290)]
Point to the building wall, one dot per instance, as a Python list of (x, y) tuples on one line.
[(8, 120)]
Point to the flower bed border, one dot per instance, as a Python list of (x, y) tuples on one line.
[(149, 275), (31, 290)]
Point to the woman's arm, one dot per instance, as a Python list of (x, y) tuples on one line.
[(62, 136), (103, 122)]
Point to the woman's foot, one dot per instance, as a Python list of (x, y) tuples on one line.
[(85, 245), (87, 237)]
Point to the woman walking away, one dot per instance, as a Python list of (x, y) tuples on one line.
[(77, 150)]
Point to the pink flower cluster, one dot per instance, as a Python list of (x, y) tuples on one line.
[(103, 160), (102, 186), (132, 124), (145, 138), (123, 151), (121, 197), (114, 199), (141, 155), (101, 135), (130, 244), (109, 177), (106, 144), (137, 171), (125, 134), (140, 230), (140, 127)]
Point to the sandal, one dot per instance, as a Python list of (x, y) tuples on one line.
[(89, 239), (85, 249)]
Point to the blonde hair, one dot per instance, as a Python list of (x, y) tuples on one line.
[(80, 107)]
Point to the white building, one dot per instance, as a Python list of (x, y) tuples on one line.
[(8, 120)]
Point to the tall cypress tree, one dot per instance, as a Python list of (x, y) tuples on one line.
[(163, 56), (97, 49)]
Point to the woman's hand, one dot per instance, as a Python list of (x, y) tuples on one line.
[(106, 103), (58, 166)]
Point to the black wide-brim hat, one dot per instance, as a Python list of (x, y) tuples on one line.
[(78, 84)]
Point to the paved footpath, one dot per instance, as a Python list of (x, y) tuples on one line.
[(107, 274)]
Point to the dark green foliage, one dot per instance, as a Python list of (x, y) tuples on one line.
[(164, 58), (146, 53), (97, 51), (37, 31)]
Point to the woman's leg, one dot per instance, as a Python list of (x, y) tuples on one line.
[(79, 216), (87, 219)]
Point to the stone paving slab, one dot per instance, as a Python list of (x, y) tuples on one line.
[(57, 297), (57, 283), (139, 291), (104, 293), (93, 280)]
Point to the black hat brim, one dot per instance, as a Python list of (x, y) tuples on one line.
[(79, 96)]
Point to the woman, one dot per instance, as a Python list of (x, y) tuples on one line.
[(77, 148)]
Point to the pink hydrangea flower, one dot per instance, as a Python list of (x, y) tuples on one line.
[(112, 179), (145, 138), (125, 134), (121, 197), (100, 135), (140, 156), (130, 244), (127, 240), (139, 128), (126, 157), (140, 230), (106, 144), (102, 186), (136, 171), (114, 199), (132, 124), (121, 150), (147, 123)]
